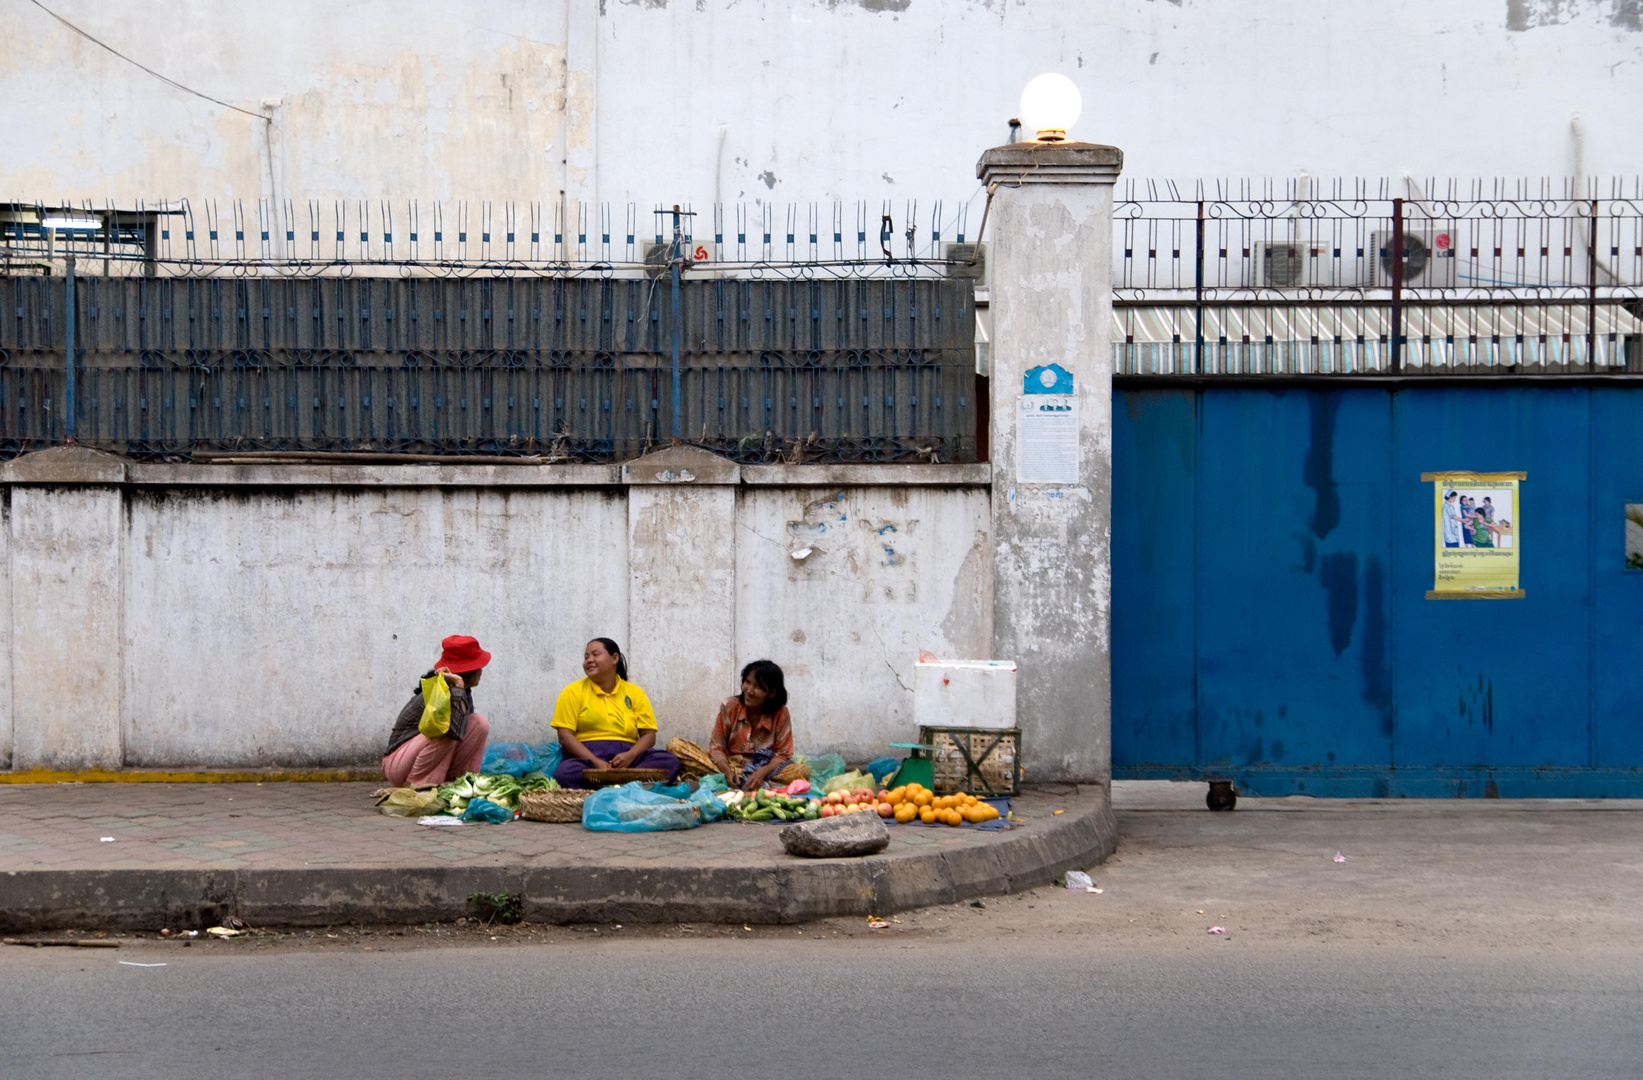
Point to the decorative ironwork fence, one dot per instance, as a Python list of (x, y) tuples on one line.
[(1351, 278)]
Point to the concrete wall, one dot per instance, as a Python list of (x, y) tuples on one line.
[(197, 615), (288, 626), (792, 100)]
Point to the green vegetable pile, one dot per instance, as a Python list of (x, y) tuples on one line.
[(766, 806), (500, 789)]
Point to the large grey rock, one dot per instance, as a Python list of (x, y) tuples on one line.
[(837, 837)]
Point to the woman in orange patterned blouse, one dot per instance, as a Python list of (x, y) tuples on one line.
[(754, 725)]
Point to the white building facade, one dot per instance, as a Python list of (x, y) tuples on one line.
[(789, 101)]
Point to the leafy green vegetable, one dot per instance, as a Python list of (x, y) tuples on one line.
[(499, 788)]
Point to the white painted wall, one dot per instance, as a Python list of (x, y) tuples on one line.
[(64, 630), (891, 571), (244, 625), (792, 100), (288, 628)]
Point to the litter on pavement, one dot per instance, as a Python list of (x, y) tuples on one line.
[(133, 963), (1339, 857), (1077, 879), (1217, 929)]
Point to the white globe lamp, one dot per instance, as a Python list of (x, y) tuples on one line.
[(1050, 106)]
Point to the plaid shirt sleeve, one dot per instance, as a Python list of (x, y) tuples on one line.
[(781, 735)]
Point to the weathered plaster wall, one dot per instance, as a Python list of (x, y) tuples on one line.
[(256, 616), (792, 100), (65, 627), (682, 542), (289, 627), (5, 631), (1052, 303), (890, 571)]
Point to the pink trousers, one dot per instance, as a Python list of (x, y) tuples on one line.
[(423, 761)]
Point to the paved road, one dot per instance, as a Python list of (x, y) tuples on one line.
[(1456, 940), (907, 1006)]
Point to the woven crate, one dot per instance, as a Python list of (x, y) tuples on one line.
[(977, 761), (562, 806)]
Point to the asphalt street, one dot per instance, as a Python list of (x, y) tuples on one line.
[(1453, 939), (650, 1006)]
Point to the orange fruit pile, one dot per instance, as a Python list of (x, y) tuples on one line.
[(916, 801)]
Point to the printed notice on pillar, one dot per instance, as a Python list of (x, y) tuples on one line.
[(1047, 439), (1477, 535)]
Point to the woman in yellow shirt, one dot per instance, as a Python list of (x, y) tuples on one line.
[(606, 722)]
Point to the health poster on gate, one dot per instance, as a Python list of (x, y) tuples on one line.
[(1477, 535)]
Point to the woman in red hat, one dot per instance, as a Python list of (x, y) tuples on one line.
[(413, 759)]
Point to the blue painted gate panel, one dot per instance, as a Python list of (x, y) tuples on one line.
[(1272, 548)]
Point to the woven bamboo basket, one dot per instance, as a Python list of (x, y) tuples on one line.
[(561, 806), (693, 760)]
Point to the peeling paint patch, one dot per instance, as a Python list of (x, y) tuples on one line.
[(1524, 15), (872, 5), (769, 179)]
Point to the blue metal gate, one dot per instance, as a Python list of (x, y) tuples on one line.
[(1272, 547)]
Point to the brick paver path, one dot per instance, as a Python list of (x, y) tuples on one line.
[(290, 825)]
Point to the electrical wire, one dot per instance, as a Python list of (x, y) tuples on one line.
[(169, 82)]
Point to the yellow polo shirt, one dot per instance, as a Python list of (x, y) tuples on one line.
[(595, 716)]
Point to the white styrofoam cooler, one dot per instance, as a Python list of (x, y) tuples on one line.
[(965, 693)]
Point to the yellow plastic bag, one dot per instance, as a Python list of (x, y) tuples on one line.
[(409, 802), (436, 707), (850, 781)]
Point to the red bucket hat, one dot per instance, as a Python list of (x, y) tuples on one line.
[(461, 653)]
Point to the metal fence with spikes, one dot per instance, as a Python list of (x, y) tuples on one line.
[(563, 368)]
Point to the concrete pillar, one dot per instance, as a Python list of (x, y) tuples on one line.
[(1051, 446), (67, 659), (682, 586)]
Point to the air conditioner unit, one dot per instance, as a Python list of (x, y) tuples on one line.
[(1428, 259), (1293, 264), (701, 259), (959, 261)]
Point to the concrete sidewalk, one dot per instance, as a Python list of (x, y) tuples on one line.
[(317, 854)]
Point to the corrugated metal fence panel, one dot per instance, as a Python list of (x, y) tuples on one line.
[(721, 316), (1292, 573), (1507, 687), (1616, 448), (1154, 554), (845, 370), (1270, 619)]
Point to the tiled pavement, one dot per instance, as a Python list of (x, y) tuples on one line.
[(267, 826), (235, 843)]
